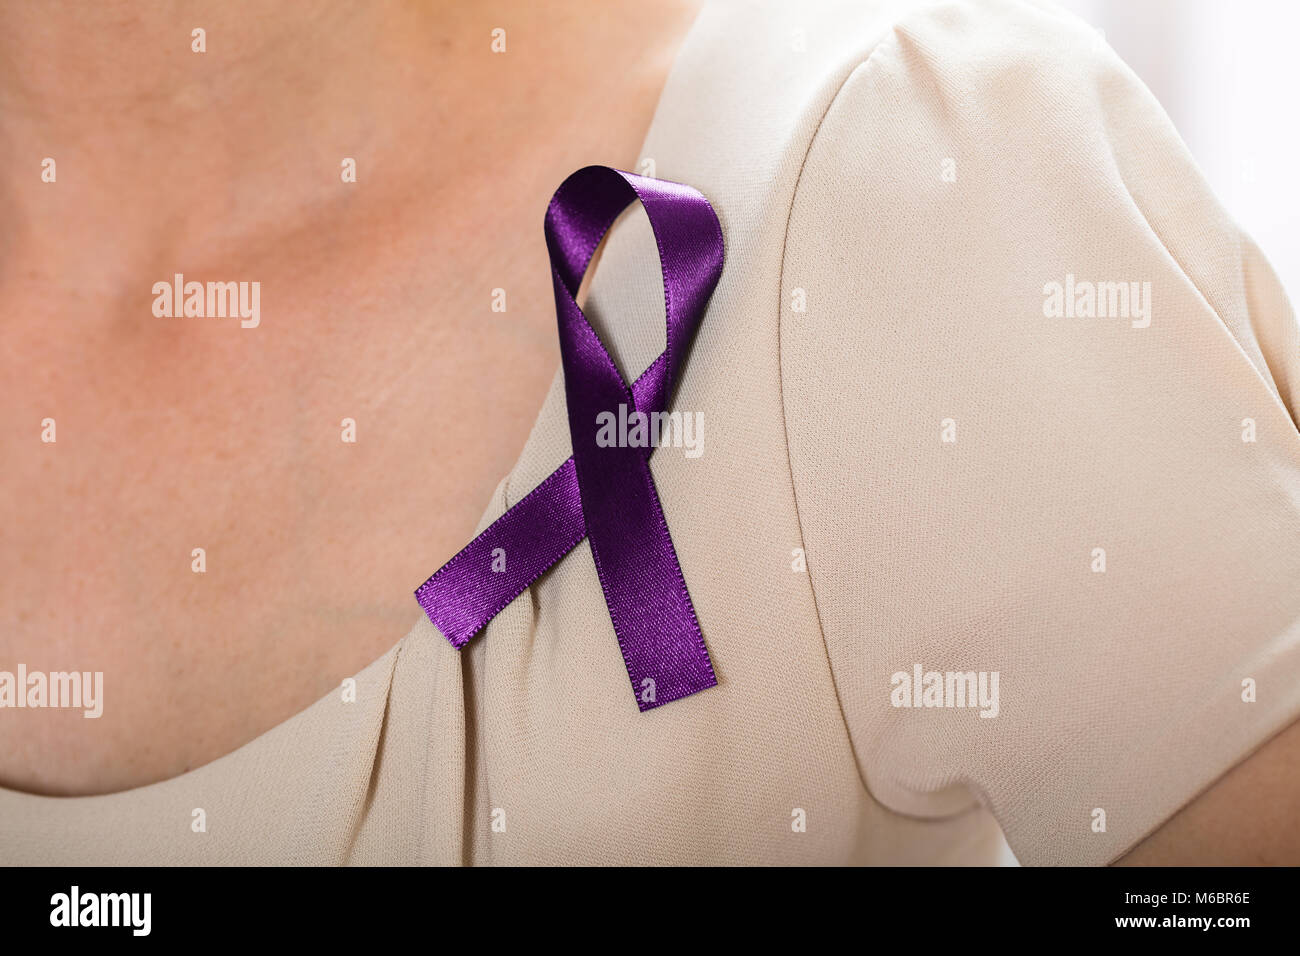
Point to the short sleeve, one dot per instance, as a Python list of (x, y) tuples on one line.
[(1040, 397)]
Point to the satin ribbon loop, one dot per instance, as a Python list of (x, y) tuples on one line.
[(606, 494)]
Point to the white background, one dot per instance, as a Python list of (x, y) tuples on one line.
[(1228, 74)]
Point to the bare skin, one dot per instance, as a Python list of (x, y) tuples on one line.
[(1249, 817), (175, 434)]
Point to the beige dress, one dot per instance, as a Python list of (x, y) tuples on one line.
[(922, 449)]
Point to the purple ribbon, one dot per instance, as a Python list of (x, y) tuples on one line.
[(605, 494)]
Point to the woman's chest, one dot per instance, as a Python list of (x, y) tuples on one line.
[(225, 519)]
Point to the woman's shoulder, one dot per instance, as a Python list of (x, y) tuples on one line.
[(1036, 389), (756, 80)]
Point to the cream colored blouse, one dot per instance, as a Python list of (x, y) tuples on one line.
[(996, 399)]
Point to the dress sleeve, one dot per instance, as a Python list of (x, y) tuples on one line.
[(1040, 397)]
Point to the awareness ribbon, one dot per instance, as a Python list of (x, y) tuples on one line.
[(605, 494)]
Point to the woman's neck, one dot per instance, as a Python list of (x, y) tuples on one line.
[(172, 149)]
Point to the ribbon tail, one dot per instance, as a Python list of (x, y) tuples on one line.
[(502, 562), (645, 591)]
